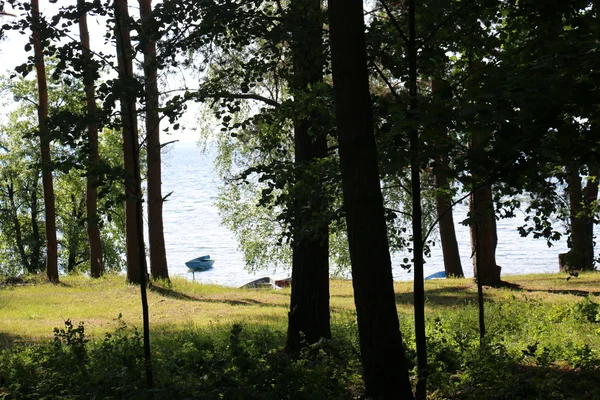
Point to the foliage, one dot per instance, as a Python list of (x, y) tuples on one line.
[(21, 196)]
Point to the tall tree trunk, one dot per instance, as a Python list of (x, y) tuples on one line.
[(452, 263), (484, 237), (417, 222), (95, 244), (581, 255), (136, 259), (308, 319), (382, 353), (49, 201), (136, 256), (156, 237)]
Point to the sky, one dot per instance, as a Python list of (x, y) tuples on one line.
[(12, 53)]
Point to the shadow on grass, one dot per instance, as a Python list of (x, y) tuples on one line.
[(446, 296), (537, 382), (173, 294), (8, 340), (573, 292), (457, 295)]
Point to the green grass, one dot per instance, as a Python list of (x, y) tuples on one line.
[(209, 341)]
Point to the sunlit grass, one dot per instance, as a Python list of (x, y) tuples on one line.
[(29, 312)]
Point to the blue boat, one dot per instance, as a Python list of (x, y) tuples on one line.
[(437, 275), (200, 264)]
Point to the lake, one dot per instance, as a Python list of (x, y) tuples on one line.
[(193, 228)]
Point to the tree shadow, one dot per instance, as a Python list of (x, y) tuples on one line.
[(573, 292), (539, 382), (173, 294), (8, 340), (444, 296)]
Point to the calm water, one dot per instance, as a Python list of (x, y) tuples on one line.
[(193, 228)]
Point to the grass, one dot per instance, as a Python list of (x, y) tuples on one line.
[(543, 337)]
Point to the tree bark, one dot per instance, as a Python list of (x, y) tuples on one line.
[(134, 215), (36, 250), (136, 259), (581, 254), (18, 232), (484, 236), (156, 237), (95, 244), (382, 353), (417, 222), (452, 263), (49, 199), (308, 319)]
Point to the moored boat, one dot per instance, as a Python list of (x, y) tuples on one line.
[(201, 263), (261, 283), (437, 275), (283, 283)]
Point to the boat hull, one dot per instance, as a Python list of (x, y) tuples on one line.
[(200, 264)]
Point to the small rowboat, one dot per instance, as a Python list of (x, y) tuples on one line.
[(200, 264), (261, 283), (282, 283), (437, 275), (268, 283)]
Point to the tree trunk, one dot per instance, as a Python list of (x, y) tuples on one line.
[(95, 244), (136, 259), (18, 232), (49, 206), (581, 254), (135, 233), (382, 353), (484, 237), (308, 319), (156, 237), (417, 222), (590, 198), (452, 263), (36, 250)]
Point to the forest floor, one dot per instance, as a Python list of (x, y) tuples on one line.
[(543, 339)]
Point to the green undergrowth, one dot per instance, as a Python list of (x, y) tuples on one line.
[(542, 342)]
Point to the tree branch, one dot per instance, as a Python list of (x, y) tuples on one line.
[(394, 21), (445, 21), (387, 82)]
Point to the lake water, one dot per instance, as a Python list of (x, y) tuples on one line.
[(193, 228)]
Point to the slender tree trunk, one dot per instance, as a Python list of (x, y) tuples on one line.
[(134, 215), (417, 222), (18, 231), (36, 250), (308, 319), (49, 206), (452, 263), (156, 237), (581, 255), (136, 258), (95, 244), (480, 297), (590, 198), (382, 353)]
